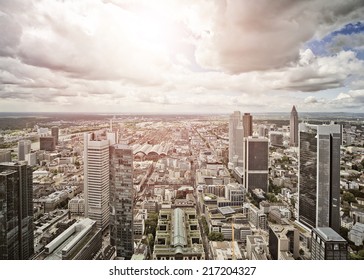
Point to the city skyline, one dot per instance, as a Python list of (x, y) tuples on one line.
[(152, 56)]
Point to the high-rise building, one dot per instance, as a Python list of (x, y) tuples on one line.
[(121, 200), (16, 211), (234, 122), (248, 124), (47, 143), (319, 176), (55, 134), (239, 145), (96, 180), (293, 126), (256, 163), (24, 147), (327, 244)]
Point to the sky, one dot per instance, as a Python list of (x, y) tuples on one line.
[(182, 56)]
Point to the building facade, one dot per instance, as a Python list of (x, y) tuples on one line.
[(256, 163), (327, 244), (121, 200), (248, 124), (293, 126), (234, 123), (47, 143), (16, 211), (96, 180), (55, 134), (319, 176), (24, 147)]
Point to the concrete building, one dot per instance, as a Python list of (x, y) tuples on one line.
[(96, 180), (77, 206), (356, 234), (224, 250), (319, 176), (248, 124), (293, 126), (24, 147), (256, 163), (47, 143), (283, 242), (81, 241), (178, 236), (327, 244), (55, 134), (235, 193), (234, 123), (16, 211), (121, 200), (31, 158), (256, 248)]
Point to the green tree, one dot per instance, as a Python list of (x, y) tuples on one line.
[(216, 236), (151, 223), (349, 197), (205, 225)]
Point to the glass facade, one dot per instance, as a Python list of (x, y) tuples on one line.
[(319, 176), (121, 200), (16, 212)]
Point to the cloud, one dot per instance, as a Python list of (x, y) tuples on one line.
[(320, 73), (264, 35), (127, 55)]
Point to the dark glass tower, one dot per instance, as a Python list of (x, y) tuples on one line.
[(16, 211), (121, 200), (319, 175), (293, 126)]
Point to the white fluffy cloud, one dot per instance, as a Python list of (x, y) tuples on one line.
[(188, 56)]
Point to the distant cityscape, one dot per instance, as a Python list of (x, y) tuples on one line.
[(242, 186)]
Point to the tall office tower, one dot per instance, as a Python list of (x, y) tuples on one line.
[(326, 244), (47, 143), (256, 163), (16, 211), (55, 133), (248, 124), (234, 122), (24, 147), (293, 126), (239, 145), (121, 200), (96, 180), (319, 176)]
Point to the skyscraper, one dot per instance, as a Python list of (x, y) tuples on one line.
[(319, 175), (234, 122), (96, 180), (24, 147), (121, 200), (55, 134), (293, 126), (16, 211), (248, 124), (256, 163)]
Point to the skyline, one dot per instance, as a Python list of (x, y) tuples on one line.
[(181, 56)]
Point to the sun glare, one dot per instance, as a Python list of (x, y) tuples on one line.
[(153, 31)]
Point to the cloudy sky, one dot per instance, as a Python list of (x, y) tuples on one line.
[(185, 56)]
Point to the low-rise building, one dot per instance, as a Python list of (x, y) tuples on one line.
[(356, 234), (178, 236), (225, 250)]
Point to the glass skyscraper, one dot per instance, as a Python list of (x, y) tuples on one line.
[(16, 211), (121, 200), (319, 175)]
